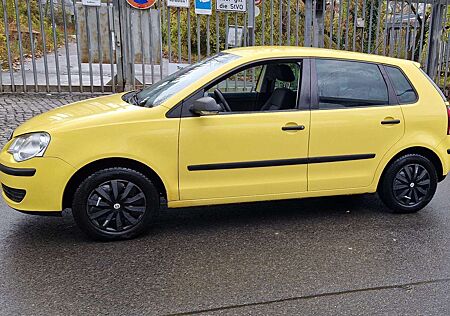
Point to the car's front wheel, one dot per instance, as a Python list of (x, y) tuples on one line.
[(408, 184), (115, 203)]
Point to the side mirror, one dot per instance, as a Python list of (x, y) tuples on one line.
[(205, 106)]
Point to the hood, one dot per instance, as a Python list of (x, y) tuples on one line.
[(103, 110)]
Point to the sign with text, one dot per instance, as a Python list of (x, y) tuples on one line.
[(141, 4), (203, 7), (231, 5), (178, 3), (93, 3)]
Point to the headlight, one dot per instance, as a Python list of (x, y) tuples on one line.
[(27, 146)]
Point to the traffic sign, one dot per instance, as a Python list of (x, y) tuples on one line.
[(231, 5), (178, 3), (141, 4), (93, 3), (203, 7)]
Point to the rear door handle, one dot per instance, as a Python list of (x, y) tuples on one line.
[(293, 128), (390, 122)]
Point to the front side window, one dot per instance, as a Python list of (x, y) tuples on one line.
[(268, 86), (403, 89), (243, 81), (346, 84), (159, 92)]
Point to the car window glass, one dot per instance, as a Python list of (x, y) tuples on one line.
[(243, 81), (343, 84), (272, 86), (403, 89), (294, 84), (159, 92)]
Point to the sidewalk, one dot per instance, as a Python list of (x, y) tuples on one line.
[(47, 70), (18, 108)]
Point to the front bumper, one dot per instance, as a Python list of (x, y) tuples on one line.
[(42, 178)]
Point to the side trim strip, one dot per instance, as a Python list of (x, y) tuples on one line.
[(17, 172), (278, 162)]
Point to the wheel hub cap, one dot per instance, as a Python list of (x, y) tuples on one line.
[(411, 184), (116, 206)]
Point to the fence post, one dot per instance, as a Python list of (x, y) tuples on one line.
[(318, 25), (251, 22), (120, 42), (308, 23), (434, 35)]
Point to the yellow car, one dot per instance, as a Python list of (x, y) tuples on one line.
[(248, 124)]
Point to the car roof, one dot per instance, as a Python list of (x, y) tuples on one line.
[(259, 52)]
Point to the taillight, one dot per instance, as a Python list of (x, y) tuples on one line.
[(448, 120)]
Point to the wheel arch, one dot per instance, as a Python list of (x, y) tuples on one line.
[(424, 151), (105, 163)]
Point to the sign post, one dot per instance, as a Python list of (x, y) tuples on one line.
[(251, 23)]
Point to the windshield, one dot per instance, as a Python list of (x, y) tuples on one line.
[(159, 92)]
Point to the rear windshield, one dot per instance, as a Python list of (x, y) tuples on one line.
[(162, 90), (434, 85)]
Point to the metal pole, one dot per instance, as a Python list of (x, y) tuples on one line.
[(308, 22), (251, 22), (434, 35)]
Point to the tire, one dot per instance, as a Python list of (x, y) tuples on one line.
[(114, 204), (408, 184)]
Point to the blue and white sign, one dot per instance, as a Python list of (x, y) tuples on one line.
[(203, 7)]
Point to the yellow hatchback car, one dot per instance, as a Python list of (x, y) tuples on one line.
[(248, 124)]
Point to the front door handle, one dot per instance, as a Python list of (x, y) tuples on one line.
[(390, 122), (293, 128)]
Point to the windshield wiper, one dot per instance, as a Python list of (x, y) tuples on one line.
[(132, 97)]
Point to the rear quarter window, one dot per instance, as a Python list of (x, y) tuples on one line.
[(403, 88)]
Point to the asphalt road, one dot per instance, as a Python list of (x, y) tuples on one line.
[(332, 256)]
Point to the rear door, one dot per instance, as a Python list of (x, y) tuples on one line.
[(355, 120)]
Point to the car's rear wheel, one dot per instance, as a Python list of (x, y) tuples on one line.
[(408, 184), (115, 203)]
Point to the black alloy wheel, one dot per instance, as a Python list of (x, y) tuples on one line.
[(115, 203), (411, 184), (408, 183)]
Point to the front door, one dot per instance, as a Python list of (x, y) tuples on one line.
[(354, 122), (254, 148)]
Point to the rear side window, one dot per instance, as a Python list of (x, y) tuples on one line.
[(343, 84), (405, 92)]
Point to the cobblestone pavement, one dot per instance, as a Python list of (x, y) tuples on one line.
[(18, 108)]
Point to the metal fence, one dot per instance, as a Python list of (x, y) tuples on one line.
[(64, 45)]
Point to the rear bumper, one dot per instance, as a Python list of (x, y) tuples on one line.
[(36, 185)]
